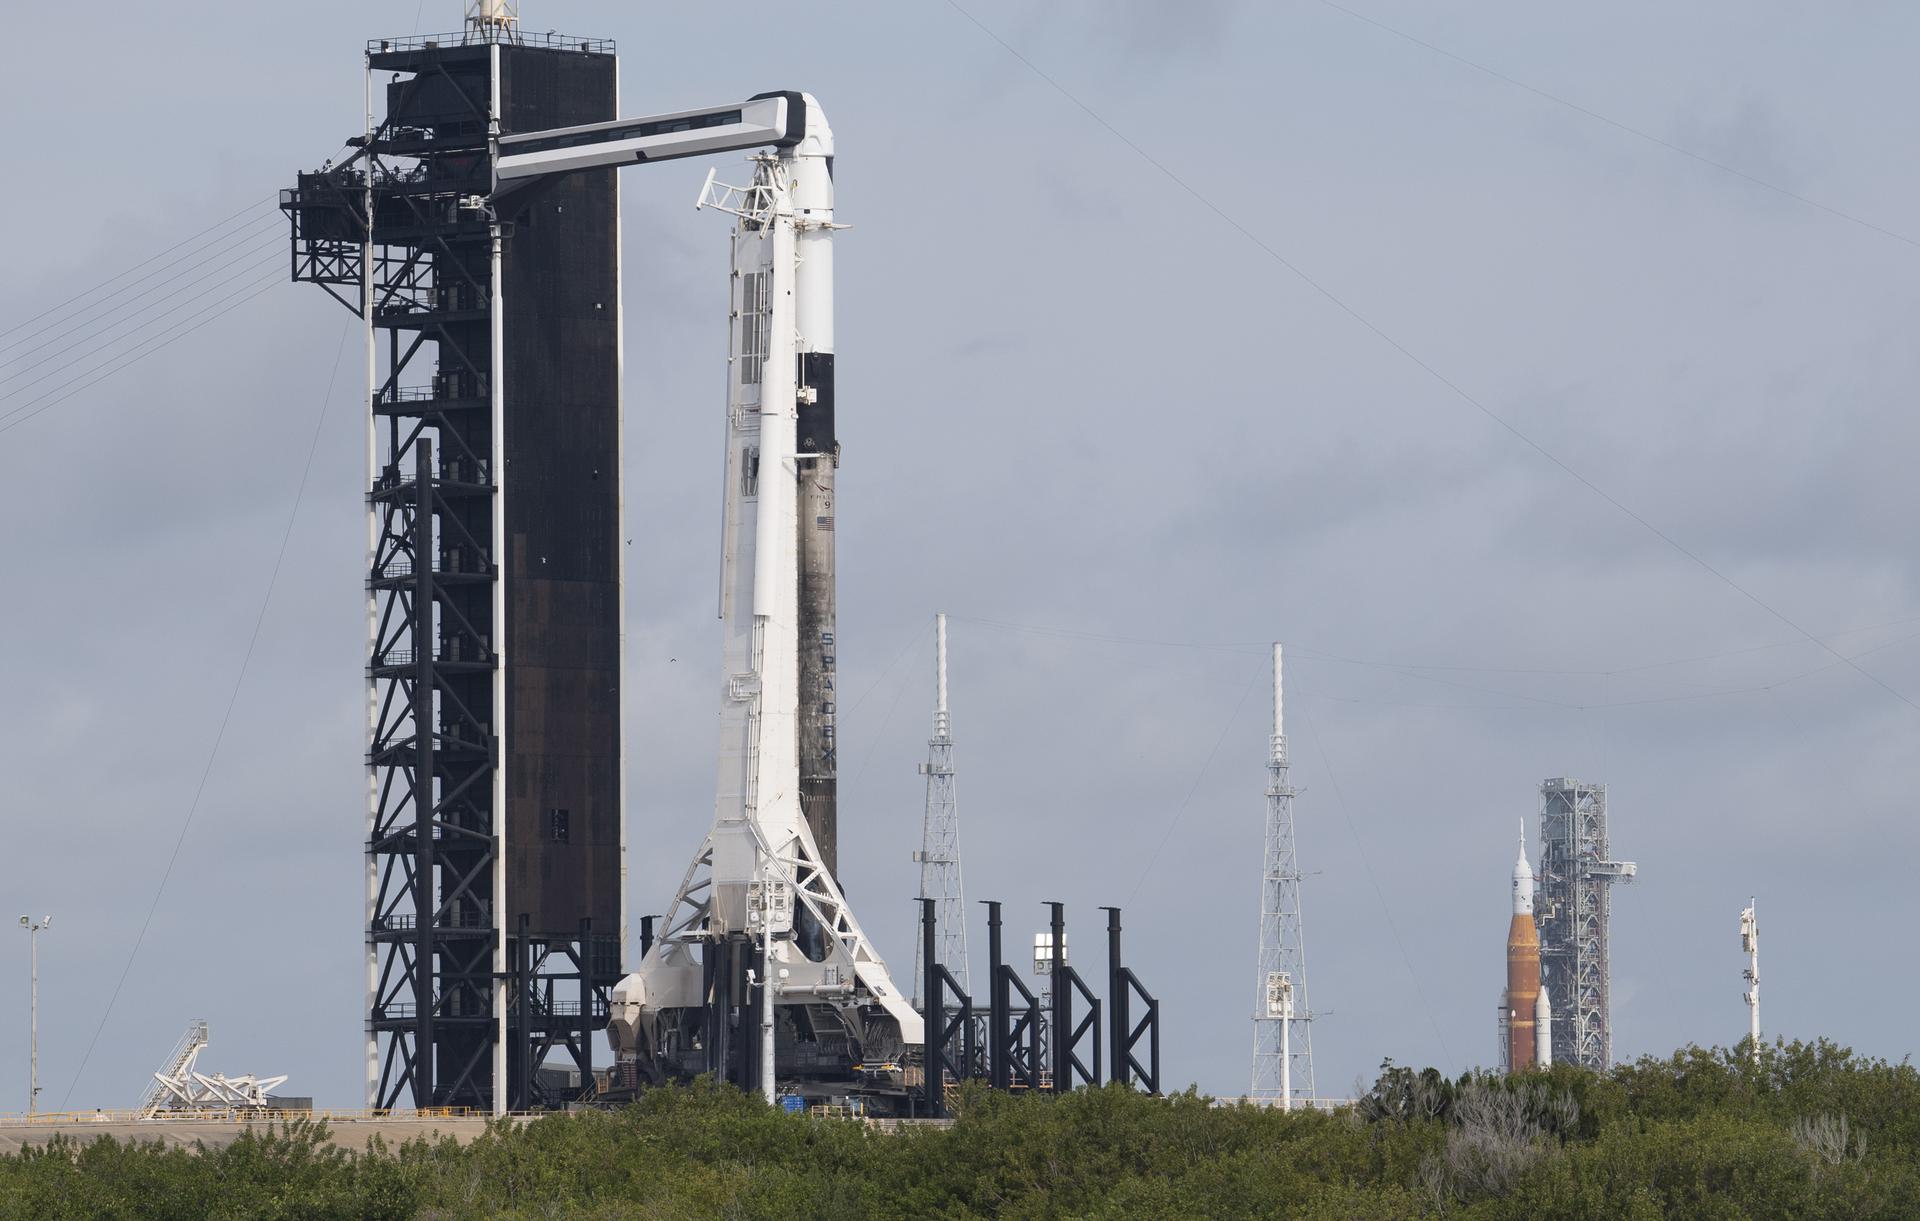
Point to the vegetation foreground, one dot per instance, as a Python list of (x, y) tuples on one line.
[(1812, 1131)]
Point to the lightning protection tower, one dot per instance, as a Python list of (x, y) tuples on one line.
[(939, 854), (1573, 906), (1282, 1022)]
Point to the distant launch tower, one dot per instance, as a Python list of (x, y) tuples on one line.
[(939, 854), (1282, 1021), (1574, 907)]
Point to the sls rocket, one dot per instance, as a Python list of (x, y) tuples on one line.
[(1526, 1006)]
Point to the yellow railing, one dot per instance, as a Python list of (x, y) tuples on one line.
[(825, 1111)]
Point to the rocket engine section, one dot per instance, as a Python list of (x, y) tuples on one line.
[(762, 976), (1525, 1005)]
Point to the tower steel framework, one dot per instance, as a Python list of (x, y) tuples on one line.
[(493, 909), (939, 854), (1282, 1020), (1573, 906)]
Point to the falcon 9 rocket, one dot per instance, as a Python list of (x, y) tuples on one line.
[(759, 937)]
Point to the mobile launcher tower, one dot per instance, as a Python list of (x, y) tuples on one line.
[(1574, 908), (484, 266)]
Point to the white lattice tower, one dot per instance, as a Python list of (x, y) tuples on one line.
[(1282, 1020), (939, 854), (1574, 906)]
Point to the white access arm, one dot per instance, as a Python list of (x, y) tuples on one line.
[(771, 119)]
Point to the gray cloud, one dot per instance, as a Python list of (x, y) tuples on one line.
[(1073, 400)]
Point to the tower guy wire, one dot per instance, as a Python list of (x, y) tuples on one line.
[(219, 736)]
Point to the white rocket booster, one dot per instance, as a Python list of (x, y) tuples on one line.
[(1543, 1029)]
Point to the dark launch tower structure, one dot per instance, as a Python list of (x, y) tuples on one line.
[(495, 830)]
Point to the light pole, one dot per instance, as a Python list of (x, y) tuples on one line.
[(1280, 1009), (1750, 942), (33, 1005)]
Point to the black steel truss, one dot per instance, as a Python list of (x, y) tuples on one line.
[(545, 1022), (394, 234), (1124, 1034), (947, 1018), (1065, 1036), (1014, 1051)]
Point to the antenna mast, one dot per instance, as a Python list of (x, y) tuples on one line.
[(939, 854), (1282, 1020)]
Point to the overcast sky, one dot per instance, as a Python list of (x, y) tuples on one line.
[(1118, 440)]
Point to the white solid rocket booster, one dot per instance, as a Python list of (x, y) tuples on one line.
[(1543, 1029)]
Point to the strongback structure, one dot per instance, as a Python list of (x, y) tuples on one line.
[(1282, 1020), (1573, 905), (939, 854), (495, 828)]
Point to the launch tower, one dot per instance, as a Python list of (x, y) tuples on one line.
[(1282, 1021), (495, 821), (1574, 905)]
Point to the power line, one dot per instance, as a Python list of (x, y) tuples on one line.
[(136, 267), (1253, 647), (886, 718), (1180, 812), (1411, 357), (53, 398), (1617, 125), (1413, 669), (90, 328), (143, 319), (226, 718), (1379, 894)]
